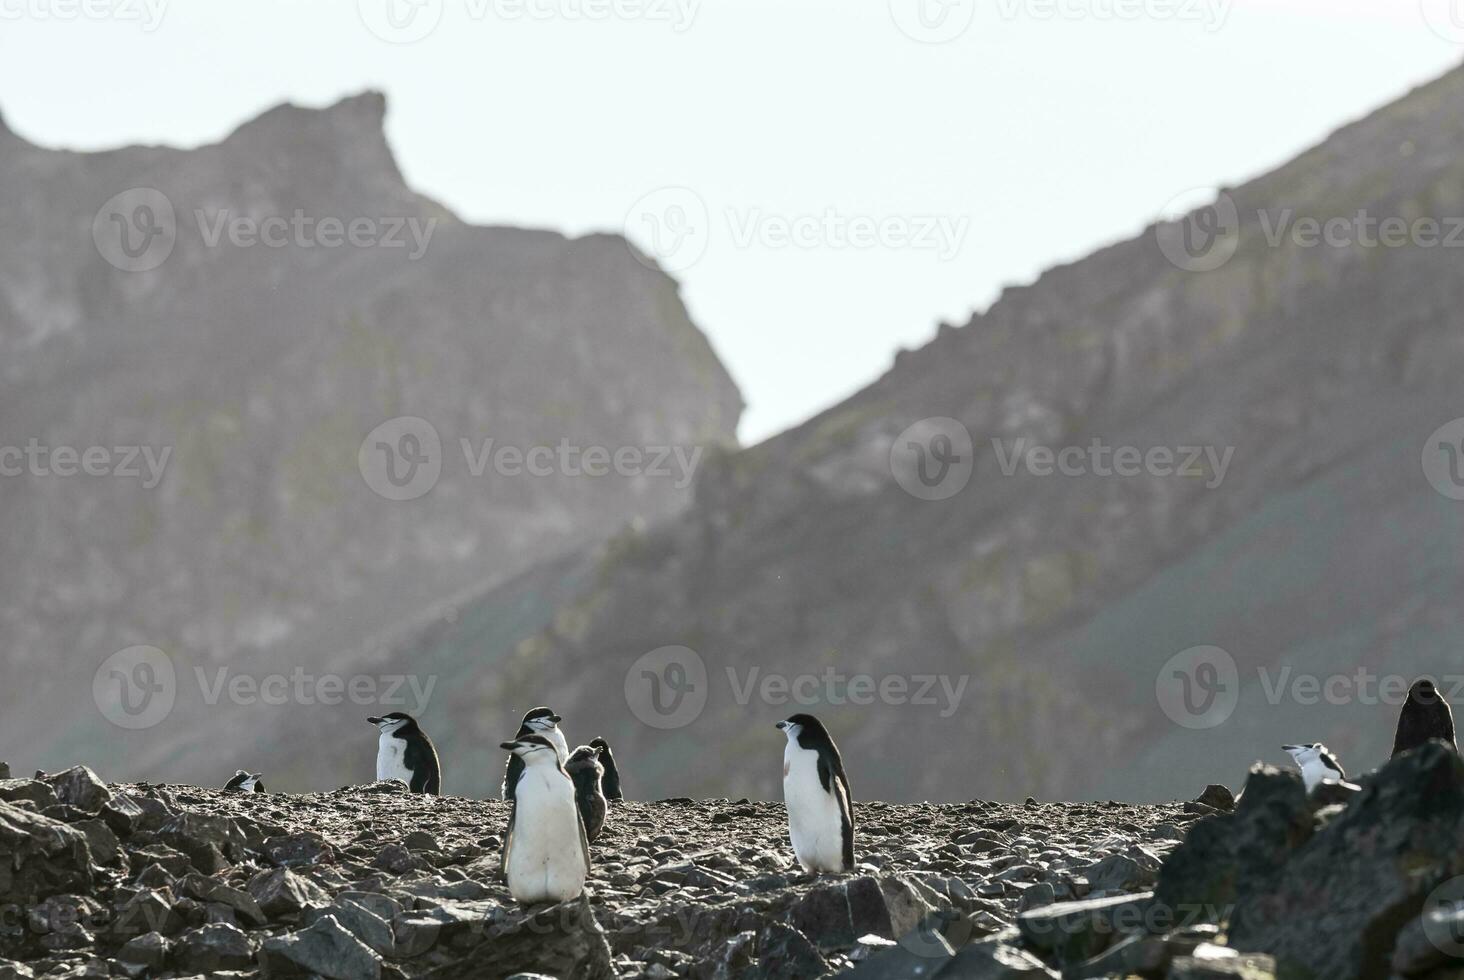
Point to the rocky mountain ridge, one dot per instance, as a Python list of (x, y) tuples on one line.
[(1317, 374), (248, 313)]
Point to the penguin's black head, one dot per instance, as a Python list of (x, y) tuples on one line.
[(599, 744), (530, 747), (796, 725), (584, 757), (396, 721), (1424, 692), (541, 720)]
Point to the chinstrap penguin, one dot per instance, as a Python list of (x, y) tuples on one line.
[(610, 784), (816, 791), (546, 855), (244, 782), (404, 752), (538, 721), (1316, 764), (1425, 715), (585, 771)]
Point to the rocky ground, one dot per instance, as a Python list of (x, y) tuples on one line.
[(370, 881)]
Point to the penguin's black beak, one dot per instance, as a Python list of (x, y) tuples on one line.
[(555, 718), (375, 721), (781, 725), (510, 746)]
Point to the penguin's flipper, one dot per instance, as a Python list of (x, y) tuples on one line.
[(584, 842), (508, 839)]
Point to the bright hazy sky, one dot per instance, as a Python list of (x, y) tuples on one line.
[(1042, 129)]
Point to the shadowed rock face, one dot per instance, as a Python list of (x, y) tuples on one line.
[(1060, 599), (261, 370)]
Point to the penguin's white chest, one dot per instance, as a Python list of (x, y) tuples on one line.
[(1314, 771), (545, 862), (815, 822), (391, 759)]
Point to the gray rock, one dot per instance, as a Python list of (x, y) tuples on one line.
[(563, 940), (81, 788), (211, 842), (150, 949), (150, 910), (244, 905), (298, 850), (282, 894), (211, 948), (1218, 797), (360, 922), (325, 948), (994, 961), (1211, 962), (28, 790), (1073, 932), (105, 848), (40, 857)]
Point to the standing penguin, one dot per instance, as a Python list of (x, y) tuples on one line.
[(611, 783), (585, 771), (1425, 715), (404, 752), (538, 721), (546, 856), (816, 791), (245, 782)]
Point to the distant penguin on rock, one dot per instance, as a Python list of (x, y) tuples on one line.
[(816, 791), (537, 721), (244, 782), (404, 752), (1316, 763), (546, 855), (585, 770), (1425, 715), (610, 784)]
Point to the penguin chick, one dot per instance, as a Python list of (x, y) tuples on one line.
[(1425, 715), (585, 770)]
